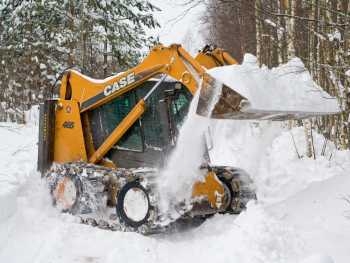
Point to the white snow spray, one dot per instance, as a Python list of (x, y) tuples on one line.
[(290, 85), (182, 169)]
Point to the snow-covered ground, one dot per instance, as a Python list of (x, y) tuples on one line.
[(301, 215)]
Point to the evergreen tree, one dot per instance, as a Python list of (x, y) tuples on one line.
[(40, 38)]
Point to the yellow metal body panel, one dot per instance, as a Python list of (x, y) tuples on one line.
[(211, 188), (69, 140)]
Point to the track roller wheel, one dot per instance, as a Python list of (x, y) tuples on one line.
[(133, 205), (242, 192), (66, 192), (241, 188)]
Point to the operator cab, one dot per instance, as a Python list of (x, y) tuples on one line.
[(149, 140)]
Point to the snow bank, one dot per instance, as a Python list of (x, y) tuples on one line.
[(266, 151), (321, 216), (17, 161), (282, 173), (248, 238), (288, 87)]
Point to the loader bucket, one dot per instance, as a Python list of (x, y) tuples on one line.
[(217, 100), (220, 101)]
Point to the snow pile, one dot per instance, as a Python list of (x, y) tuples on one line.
[(17, 160), (281, 173), (248, 238), (320, 216), (288, 87), (267, 152), (251, 237)]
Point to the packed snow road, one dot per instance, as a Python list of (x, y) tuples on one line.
[(301, 215)]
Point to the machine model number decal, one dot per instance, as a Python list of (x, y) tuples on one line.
[(121, 83), (68, 124)]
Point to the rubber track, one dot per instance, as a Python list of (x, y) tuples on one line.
[(92, 209)]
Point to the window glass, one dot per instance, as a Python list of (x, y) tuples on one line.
[(180, 106), (107, 117), (152, 125)]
